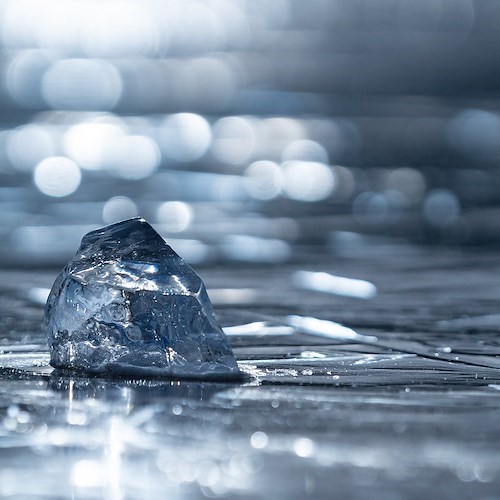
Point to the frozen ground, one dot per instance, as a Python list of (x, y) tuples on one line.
[(405, 406)]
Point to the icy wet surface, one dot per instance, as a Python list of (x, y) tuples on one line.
[(407, 406), (127, 304)]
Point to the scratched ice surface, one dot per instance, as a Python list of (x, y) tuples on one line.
[(394, 395), (128, 304)]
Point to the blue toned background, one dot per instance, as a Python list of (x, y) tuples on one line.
[(245, 129)]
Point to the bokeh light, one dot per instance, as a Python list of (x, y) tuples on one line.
[(175, 216), (263, 180), (475, 132), (133, 157), (24, 74), (371, 208), (307, 180), (245, 248), (407, 181), (82, 84), (234, 140), (113, 30), (185, 136), (87, 143), (119, 208), (275, 134), (258, 112), (441, 207), (57, 176), (305, 150), (28, 145), (345, 184)]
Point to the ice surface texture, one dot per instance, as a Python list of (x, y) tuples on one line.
[(128, 304)]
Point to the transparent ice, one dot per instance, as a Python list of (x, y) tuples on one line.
[(128, 304)]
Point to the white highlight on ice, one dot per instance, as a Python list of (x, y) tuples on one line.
[(336, 285)]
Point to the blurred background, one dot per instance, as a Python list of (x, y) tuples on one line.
[(249, 130)]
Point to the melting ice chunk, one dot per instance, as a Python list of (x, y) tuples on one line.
[(128, 304)]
